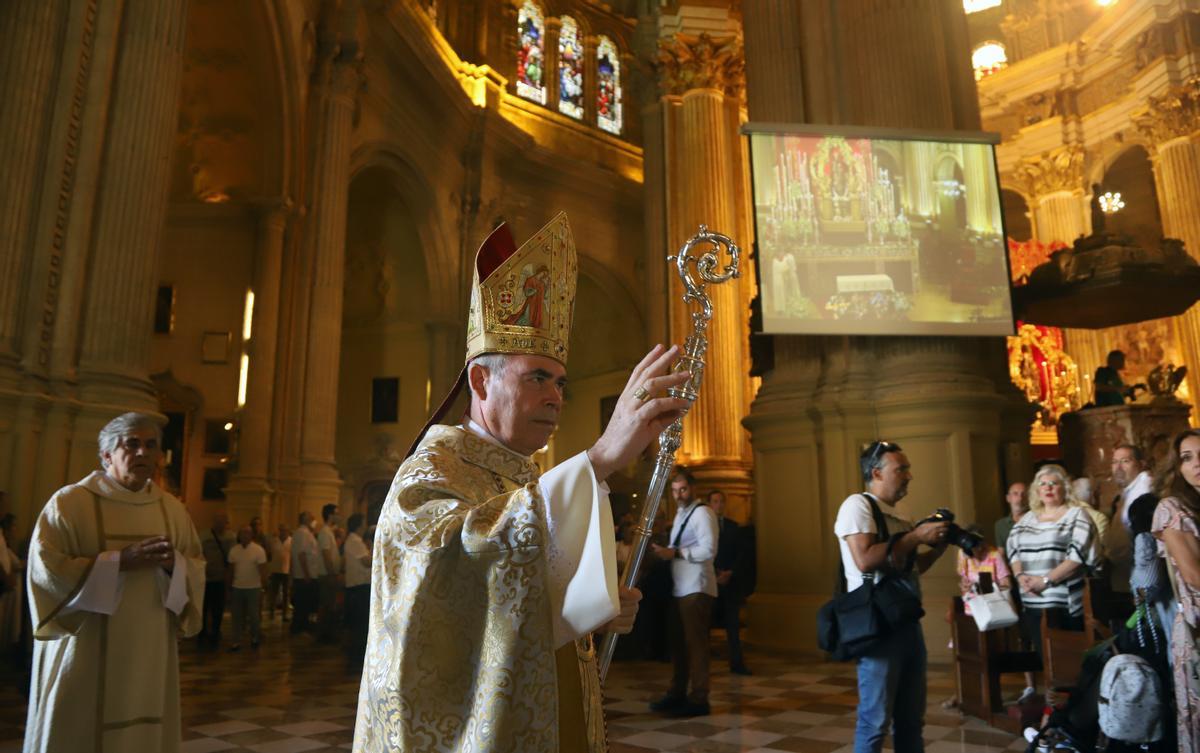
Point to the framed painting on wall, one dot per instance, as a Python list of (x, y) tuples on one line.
[(385, 400), (215, 481)]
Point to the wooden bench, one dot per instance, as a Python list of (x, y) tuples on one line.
[(979, 661), (1063, 650)]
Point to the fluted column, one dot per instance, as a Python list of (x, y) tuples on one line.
[(946, 400), (981, 213), (919, 156), (131, 205), (774, 31), (1056, 182), (1172, 123), (700, 74), (327, 240), (249, 493), (29, 49)]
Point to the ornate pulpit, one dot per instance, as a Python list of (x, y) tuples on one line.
[(1087, 437)]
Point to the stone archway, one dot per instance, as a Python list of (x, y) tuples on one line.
[(385, 373)]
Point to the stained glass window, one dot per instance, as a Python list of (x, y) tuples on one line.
[(974, 6), (608, 86), (988, 58), (531, 53), (570, 69)]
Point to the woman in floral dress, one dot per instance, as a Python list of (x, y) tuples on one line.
[(1176, 527)]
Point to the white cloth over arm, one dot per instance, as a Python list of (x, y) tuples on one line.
[(582, 549)]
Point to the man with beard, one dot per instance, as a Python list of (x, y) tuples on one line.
[(891, 676)]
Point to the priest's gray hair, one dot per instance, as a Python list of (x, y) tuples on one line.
[(116, 429), (495, 363)]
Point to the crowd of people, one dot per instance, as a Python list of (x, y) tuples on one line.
[(325, 568), (1140, 553)]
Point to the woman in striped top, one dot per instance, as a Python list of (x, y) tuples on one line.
[(1051, 550)]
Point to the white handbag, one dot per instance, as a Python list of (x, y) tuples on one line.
[(991, 611)]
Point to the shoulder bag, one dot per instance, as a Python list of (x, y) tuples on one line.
[(854, 622)]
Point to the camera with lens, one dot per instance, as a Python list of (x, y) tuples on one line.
[(964, 540)]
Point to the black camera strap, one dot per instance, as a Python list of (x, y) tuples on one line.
[(881, 535)]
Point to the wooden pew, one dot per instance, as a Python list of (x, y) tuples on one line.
[(979, 661), (1063, 650)]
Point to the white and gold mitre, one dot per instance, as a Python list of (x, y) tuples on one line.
[(522, 299)]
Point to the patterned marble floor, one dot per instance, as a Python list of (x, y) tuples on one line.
[(292, 695)]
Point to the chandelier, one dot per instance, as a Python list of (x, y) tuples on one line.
[(1111, 203)]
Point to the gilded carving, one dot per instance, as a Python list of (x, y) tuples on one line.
[(1060, 169), (1171, 115), (686, 62)]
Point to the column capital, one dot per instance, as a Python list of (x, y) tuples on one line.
[(1170, 116), (1060, 169), (685, 62)]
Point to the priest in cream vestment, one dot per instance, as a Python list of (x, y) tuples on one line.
[(116, 576), (488, 579)]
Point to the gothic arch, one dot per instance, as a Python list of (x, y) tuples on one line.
[(440, 256), (239, 105)]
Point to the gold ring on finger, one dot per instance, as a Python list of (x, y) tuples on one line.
[(641, 394)]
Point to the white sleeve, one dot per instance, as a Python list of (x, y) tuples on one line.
[(706, 533), (854, 516), (101, 592), (174, 586), (582, 549)]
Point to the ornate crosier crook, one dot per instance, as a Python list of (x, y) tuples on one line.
[(708, 269)]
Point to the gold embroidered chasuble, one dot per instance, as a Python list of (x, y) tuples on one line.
[(460, 654), (108, 682)]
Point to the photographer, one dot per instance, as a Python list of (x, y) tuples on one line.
[(891, 676)]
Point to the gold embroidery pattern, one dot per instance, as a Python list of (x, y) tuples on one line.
[(460, 649)]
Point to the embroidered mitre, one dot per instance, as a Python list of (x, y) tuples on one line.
[(522, 300)]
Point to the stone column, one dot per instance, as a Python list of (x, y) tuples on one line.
[(1172, 123), (947, 401), (920, 179), (335, 97), (130, 207), (29, 50), (446, 354), (249, 493), (981, 214), (1056, 182), (699, 74)]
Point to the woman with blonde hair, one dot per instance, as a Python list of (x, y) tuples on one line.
[(1051, 549), (1176, 527)]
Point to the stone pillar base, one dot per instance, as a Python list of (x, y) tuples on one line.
[(788, 623), (731, 477), (247, 498), (320, 486)]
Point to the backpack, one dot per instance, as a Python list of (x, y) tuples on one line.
[(1131, 700)]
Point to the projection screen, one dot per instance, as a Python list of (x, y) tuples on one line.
[(878, 232)]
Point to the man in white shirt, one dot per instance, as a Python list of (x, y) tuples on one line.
[(328, 582), (891, 677), (306, 568), (248, 570), (692, 551), (1129, 472), (358, 586), (279, 565)]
